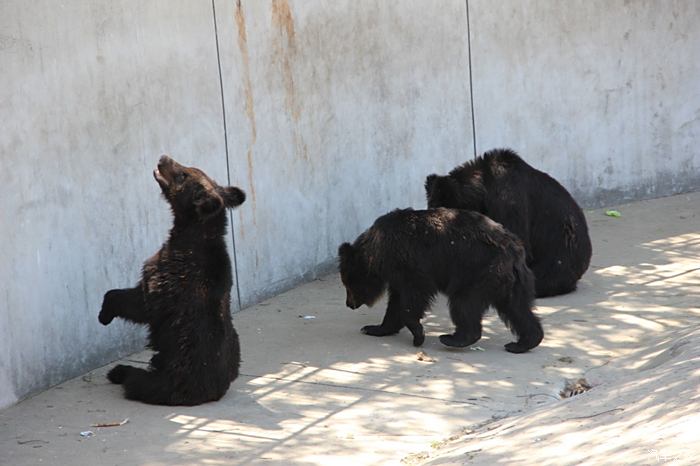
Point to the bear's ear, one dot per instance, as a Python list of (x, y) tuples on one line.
[(233, 196), (437, 190), (208, 205), (430, 182), (346, 251)]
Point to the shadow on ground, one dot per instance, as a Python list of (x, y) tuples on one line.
[(316, 391)]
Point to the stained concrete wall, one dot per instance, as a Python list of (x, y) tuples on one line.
[(90, 94), (319, 101), (335, 113), (604, 95), (327, 113)]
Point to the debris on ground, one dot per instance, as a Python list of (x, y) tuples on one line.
[(307, 317), (613, 213), (575, 388), (34, 442), (422, 356), (87, 434), (477, 348), (294, 363), (111, 424), (566, 359)]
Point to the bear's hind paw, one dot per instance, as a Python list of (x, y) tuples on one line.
[(118, 373), (516, 348), (458, 342), (378, 330)]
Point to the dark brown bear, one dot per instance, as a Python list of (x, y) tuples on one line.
[(529, 203), (463, 254), (183, 297)]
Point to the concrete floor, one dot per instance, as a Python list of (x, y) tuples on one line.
[(317, 391)]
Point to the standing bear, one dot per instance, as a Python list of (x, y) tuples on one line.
[(183, 297), (529, 203), (463, 254)]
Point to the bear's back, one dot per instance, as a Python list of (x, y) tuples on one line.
[(431, 228), (437, 244)]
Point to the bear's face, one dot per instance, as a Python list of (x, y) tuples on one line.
[(446, 191), (361, 285), (191, 193)]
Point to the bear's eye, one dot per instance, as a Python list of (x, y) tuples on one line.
[(180, 177)]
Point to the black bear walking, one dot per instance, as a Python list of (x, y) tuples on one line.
[(528, 202), (463, 254), (183, 297)]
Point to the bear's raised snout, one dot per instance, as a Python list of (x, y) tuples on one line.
[(159, 177), (164, 171)]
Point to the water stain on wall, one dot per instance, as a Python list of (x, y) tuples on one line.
[(282, 18), (285, 50), (249, 101)]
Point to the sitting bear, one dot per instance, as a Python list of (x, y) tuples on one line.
[(183, 297), (529, 203), (463, 254)]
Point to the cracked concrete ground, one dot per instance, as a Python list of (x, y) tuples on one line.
[(315, 391)]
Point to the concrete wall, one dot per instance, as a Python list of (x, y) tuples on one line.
[(90, 94), (335, 113), (327, 113), (604, 95)]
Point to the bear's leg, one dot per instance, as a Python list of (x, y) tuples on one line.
[(405, 309), (151, 387), (415, 300), (516, 311), (141, 385), (392, 318), (466, 311), (127, 304), (416, 329)]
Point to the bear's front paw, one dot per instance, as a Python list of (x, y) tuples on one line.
[(417, 332), (377, 330), (108, 311), (118, 373), (419, 337)]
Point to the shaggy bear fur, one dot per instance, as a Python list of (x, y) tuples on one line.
[(183, 297), (529, 203), (463, 254)]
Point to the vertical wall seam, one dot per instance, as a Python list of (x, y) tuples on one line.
[(471, 81), (228, 165)]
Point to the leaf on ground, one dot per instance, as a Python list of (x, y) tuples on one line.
[(575, 388)]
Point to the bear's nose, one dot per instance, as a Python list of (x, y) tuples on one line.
[(164, 159)]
